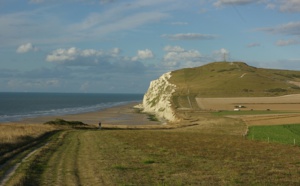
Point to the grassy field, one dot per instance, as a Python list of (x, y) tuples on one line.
[(14, 135), (185, 156), (230, 80), (286, 134), (236, 79)]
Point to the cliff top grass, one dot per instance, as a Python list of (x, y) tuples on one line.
[(234, 79)]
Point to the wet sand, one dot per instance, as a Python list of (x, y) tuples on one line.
[(119, 116)]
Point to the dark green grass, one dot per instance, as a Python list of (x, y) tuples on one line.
[(66, 123), (285, 134)]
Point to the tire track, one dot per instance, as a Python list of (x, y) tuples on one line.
[(24, 153), (62, 166)]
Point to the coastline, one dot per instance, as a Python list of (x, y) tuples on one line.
[(117, 116)]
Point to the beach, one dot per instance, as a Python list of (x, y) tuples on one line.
[(118, 116)]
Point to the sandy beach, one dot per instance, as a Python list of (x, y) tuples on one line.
[(119, 116)]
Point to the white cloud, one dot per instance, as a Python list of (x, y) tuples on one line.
[(189, 36), (89, 52), (143, 54), (287, 42), (290, 6), (26, 48), (116, 51), (291, 28), (74, 54), (221, 55), (98, 60), (287, 6), (61, 55), (38, 23), (178, 56), (173, 49), (220, 3), (119, 18)]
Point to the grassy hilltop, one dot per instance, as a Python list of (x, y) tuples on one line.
[(233, 79)]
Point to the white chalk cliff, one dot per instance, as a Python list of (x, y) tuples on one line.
[(157, 99)]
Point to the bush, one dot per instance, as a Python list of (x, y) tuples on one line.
[(64, 122), (277, 90)]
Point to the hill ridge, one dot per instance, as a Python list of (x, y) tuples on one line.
[(219, 79), (183, 87)]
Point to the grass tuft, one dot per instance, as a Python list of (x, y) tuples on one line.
[(148, 161)]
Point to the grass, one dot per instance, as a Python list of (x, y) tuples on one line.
[(247, 112), (15, 135), (225, 79), (210, 153), (65, 123), (286, 134), (152, 117), (161, 157)]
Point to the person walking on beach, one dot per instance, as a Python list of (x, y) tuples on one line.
[(99, 125)]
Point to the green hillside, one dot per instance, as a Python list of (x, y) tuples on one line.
[(233, 79)]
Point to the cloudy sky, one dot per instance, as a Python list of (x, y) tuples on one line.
[(119, 46)]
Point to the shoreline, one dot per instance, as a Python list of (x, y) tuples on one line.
[(122, 115)]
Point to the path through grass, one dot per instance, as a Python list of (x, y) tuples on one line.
[(159, 157)]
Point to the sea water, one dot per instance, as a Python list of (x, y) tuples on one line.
[(18, 106)]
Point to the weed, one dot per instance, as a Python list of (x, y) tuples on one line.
[(149, 161), (152, 117), (120, 167)]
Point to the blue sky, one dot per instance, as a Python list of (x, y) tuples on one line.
[(119, 46)]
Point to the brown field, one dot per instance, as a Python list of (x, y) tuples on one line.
[(281, 103), (288, 102), (272, 119)]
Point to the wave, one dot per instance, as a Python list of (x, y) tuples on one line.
[(61, 111)]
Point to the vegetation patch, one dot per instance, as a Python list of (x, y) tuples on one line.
[(152, 117), (276, 90), (120, 167), (149, 161), (65, 123), (226, 70), (286, 134)]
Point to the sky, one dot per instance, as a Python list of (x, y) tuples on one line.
[(120, 46)]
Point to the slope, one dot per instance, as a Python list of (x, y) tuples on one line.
[(232, 79)]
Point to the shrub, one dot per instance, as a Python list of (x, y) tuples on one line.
[(64, 122), (276, 90)]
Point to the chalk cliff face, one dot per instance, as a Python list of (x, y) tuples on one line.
[(158, 98)]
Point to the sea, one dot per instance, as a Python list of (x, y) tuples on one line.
[(18, 106)]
